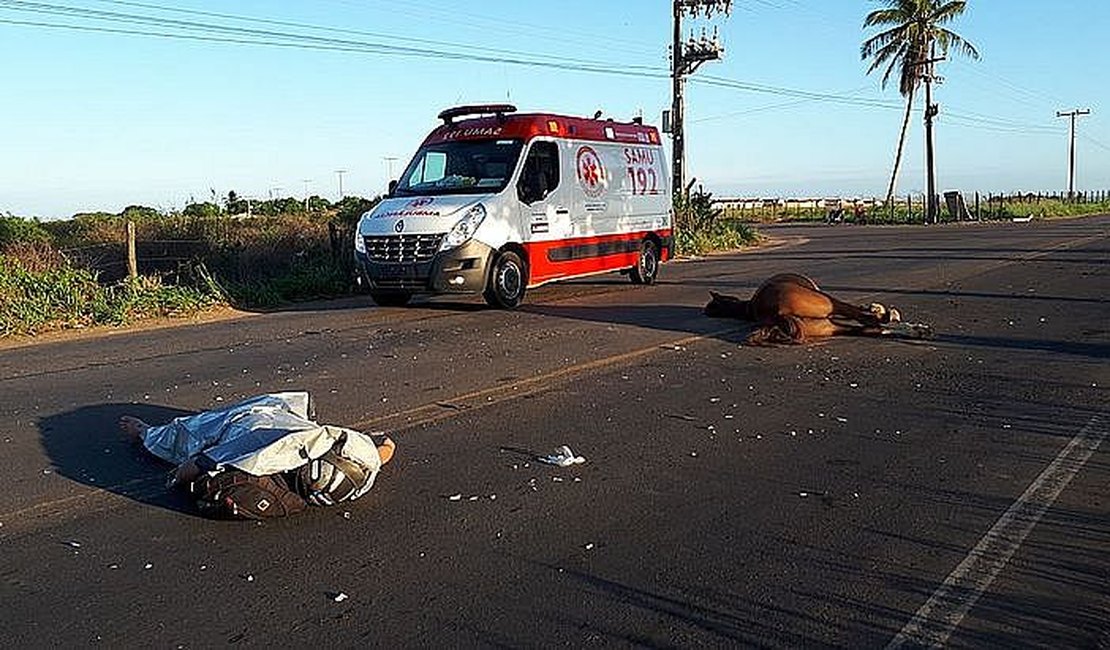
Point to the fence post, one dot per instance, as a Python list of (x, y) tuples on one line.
[(132, 258), (333, 239)]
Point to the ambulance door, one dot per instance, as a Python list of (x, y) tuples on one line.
[(545, 202), (592, 176)]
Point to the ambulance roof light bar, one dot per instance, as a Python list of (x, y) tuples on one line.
[(448, 115)]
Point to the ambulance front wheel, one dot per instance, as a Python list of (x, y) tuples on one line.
[(507, 282), (391, 298), (647, 266)]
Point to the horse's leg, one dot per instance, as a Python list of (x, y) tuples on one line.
[(814, 328), (872, 315)]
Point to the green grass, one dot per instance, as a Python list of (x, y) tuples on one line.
[(720, 235), (265, 262), (998, 209), (701, 228), (34, 300)]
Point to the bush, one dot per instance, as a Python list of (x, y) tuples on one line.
[(348, 211), (700, 228), (15, 230), (201, 210), (59, 297)]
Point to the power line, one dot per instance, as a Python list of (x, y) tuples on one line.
[(710, 80), (324, 28), (771, 107), (1017, 90), (266, 37), (1095, 142), (450, 14), (335, 45), (215, 33)]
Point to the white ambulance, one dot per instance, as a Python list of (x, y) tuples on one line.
[(495, 202)]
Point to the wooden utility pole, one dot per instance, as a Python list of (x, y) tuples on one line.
[(685, 59), (339, 173), (1071, 149), (931, 110)]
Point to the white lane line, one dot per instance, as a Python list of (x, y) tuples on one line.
[(939, 616)]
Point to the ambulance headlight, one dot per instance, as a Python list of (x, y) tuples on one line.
[(465, 228), (360, 242)]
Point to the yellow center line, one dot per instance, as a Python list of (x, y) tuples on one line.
[(469, 402)]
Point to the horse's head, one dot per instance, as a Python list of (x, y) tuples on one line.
[(722, 306)]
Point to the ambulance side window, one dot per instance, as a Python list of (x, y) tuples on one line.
[(540, 175)]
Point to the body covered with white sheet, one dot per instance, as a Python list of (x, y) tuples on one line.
[(263, 435)]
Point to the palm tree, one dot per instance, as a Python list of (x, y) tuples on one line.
[(912, 36)]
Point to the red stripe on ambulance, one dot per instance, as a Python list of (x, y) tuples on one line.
[(567, 258)]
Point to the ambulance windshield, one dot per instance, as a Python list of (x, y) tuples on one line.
[(460, 167)]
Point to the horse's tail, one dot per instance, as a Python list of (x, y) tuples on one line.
[(785, 330)]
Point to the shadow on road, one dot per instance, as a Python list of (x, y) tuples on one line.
[(1093, 350), (86, 446), (671, 318)]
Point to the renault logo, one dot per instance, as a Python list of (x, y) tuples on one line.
[(399, 226)]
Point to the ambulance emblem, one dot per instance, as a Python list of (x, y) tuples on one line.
[(591, 172)]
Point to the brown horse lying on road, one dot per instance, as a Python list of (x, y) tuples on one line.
[(790, 309)]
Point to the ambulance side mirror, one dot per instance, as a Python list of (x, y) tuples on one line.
[(392, 188)]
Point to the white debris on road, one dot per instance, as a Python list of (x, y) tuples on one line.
[(563, 457)]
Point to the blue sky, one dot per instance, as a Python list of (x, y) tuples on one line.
[(92, 120)]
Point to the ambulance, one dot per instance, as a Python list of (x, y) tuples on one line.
[(497, 202)]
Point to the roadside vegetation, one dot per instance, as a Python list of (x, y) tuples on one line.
[(701, 228), (986, 207), (73, 273), (40, 290)]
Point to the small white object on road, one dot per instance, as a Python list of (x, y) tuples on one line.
[(563, 457)]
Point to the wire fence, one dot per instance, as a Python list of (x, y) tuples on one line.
[(912, 208), (237, 260)]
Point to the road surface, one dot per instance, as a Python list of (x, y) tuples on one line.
[(860, 493)]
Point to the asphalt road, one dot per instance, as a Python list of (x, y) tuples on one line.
[(850, 494)]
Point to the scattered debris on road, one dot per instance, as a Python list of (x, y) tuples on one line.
[(563, 457)]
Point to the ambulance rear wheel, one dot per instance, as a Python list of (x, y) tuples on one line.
[(391, 298), (647, 266), (507, 282)]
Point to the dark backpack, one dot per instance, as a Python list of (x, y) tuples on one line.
[(235, 494)]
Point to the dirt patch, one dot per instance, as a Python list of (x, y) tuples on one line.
[(213, 315)]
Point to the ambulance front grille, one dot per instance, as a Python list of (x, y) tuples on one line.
[(403, 249)]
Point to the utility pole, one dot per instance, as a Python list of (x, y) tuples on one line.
[(1071, 149), (389, 160), (685, 59), (931, 111), (306, 182), (339, 173)]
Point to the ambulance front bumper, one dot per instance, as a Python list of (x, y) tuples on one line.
[(460, 270)]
